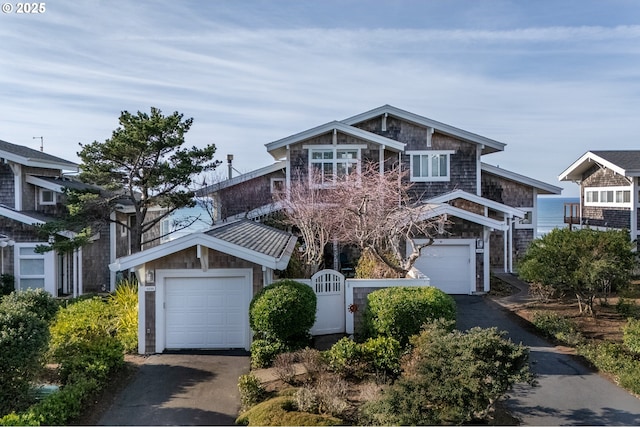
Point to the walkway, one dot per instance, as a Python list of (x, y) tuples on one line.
[(567, 391)]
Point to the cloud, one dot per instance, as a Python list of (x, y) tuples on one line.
[(550, 92)]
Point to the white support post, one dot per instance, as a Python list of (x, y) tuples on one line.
[(505, 250)]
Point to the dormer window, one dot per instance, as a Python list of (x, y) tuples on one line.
[(430, 165), (47, 197)]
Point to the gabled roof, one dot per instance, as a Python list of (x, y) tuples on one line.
[(623, 162), (278, 149), (30, 157), (460, 194), (542, 187), (58, 184), (248, 240), (488, 145), (242, 178), (437, 209), (30, 218)]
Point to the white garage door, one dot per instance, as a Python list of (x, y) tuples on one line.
[(206, 312), (449, 267)]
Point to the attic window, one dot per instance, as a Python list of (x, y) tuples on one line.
[(47, 197)]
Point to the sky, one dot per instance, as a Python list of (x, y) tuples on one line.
[(552, 79)]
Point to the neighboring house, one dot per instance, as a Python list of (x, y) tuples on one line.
[(609, 183), (32, 187), (492, 211)]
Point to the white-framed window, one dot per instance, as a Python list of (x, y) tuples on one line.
[(47, 197), (430, 165), (29, 267), (607, 196), (527, 221), (278, 185), (328, 162)]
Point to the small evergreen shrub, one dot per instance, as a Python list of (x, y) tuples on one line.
[(23, 341), (284, 310), (450, 378), (251, 391), (631, 335), (400, 312), (614, 359), (264, 352), (627, 308), (557, 327), (376, 355)]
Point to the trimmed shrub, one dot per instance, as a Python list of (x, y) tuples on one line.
[(37, 301), (376, 355), (23, 341), (400, 312), (264, 352), (125, 305), (450, 378), (631, 335), (284, 310)]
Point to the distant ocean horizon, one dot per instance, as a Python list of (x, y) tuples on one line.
[(551, 213)]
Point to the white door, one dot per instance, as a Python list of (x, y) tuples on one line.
[(206, 312), (449, 265)]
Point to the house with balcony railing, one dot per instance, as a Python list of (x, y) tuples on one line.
[(609, 183)]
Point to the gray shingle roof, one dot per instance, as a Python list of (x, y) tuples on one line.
[(31, 154), (253, 236), (628, 160)]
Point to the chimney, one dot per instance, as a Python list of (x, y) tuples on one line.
[(230, 165)]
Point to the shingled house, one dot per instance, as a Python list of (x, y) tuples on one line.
[(609, 183), (492, 211)]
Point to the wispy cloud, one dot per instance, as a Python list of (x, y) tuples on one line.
[(541, 89)]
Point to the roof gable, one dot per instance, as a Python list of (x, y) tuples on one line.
[(248, 240), (623, 162), (437, 209), (489, 145), (278, 149), (542, 187), (30, 157), (460, 194)]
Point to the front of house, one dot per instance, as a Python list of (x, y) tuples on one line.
[(491, 211), (609, 183)]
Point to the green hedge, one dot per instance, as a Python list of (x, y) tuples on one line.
[(400, 312), (375, 355)]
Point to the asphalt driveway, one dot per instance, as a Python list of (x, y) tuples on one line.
[(182, 389), (568, 393)]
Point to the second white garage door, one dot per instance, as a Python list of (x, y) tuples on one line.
[(450, 266), (206, 312)]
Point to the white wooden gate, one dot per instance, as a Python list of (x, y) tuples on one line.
[(330, 314)]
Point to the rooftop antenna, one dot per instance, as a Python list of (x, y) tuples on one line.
[(41, 142)]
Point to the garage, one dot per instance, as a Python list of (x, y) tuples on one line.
[(194, 292), (208, 312), (450, 265)]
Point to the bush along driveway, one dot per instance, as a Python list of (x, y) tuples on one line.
[(567, 391)]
